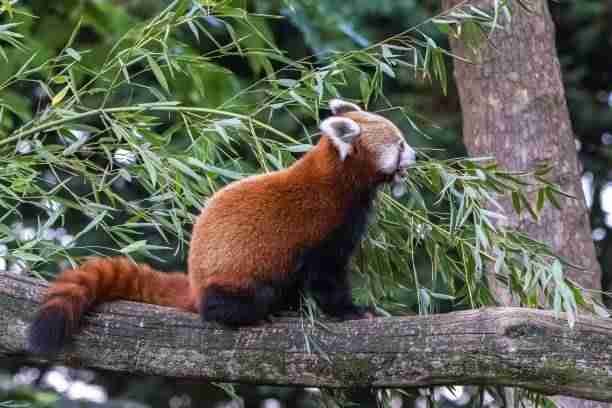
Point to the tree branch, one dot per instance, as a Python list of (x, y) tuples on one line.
[(505, 346)]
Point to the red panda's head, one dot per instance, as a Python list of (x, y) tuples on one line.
[(353, 131)]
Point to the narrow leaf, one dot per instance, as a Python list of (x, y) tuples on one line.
[(60, 96), (157, 71)]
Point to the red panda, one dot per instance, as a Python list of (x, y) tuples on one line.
[(259, 241)]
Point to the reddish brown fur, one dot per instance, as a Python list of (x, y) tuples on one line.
[(274, 215), (105, 279), (99, 280), (251, 231)]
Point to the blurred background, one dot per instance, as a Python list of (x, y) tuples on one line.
[(307, 28)]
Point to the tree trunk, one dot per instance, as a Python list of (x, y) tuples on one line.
[(497, 346), (514, 109)]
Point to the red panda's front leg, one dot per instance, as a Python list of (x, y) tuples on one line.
[(332, 291)]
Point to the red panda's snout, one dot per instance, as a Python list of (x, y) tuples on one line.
[(406, 158)]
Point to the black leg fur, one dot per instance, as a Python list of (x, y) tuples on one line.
[(333, 294), (235, 308), (325, 266), (49, 331)]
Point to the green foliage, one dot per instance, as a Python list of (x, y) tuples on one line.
[(117, 130), (141, 115)]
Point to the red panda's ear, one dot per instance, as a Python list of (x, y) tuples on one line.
[(342, 132), (338, 106)]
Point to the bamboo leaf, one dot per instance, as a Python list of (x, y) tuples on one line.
[(516, 202), (552, 197), (528, 206), (386, 69), (73, 54), (157, 71), (92, 224), (59, 97), (215, 170), (184, 168), (540, 200), (134, 247)]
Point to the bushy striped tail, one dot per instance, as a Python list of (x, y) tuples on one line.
[(95, 281)]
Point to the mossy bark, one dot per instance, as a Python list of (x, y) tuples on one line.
[(505, 346)]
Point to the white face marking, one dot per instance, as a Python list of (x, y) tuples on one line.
[(408, 156), (388, 159), (342, 132), (344, 149)]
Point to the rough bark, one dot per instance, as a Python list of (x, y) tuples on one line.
[(506, 346), (514, 109)]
